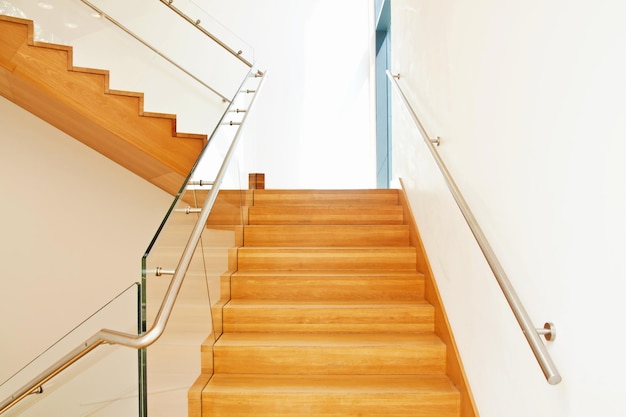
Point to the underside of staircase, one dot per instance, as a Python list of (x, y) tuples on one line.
[(41, 78), (326, 312)]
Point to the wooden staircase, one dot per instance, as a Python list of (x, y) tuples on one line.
[(41, 78), (326, 315)]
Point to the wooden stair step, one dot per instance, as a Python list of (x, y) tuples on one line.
[(336, 395), (349, 317), (228, 208), (326, 235), (260, 215), (329, 198), (328, 285), (307, 353), (327, 258)]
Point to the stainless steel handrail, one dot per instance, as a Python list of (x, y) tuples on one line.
[(530, 332), (113, 337), (196, 23), (156, 51)]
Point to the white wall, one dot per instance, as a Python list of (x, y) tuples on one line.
[(528, 98), (74, 226), (311, 126)]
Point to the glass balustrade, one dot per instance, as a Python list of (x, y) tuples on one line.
[(102, 383), (171, 55), (147, 48), (183, 354), (180, 362)]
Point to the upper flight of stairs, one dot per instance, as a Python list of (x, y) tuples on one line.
[(325, 315), (41, 78)]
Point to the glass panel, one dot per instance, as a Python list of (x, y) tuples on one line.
[(225, 35), (180, 362), (178, 68), (183, 354), (103, 383)]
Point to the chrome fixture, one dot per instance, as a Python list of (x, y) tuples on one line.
[(196, 23), (530, 332), (153, 49), (160, 271), (201, 183), (188, 210)]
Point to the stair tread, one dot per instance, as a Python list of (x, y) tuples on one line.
[(350, 235), (322, 273), (348, 214), (317, 227), (308, 197), (328, 339), (326, 228), (341, 205), (245, 303), (334, 248), (363, 384), (327, 257)]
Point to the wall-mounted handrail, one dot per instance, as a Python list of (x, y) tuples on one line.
[(113, 337), (531, 333)]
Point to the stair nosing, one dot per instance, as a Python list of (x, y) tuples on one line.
[(328, 340)]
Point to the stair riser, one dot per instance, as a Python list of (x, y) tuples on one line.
[(328, 288), (228, 208), (324, 235), (335, 405), (326, 259), (330, 360), (347, 320), (326, 198), (327, 315), (325, 215)]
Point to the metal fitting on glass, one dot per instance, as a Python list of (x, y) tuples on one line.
[(188, 210), (160, 271), (436, 141), (201, 183)]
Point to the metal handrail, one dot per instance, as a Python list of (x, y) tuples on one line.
[(196, 23), (156, 51), (531, 333), (113, 337)]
